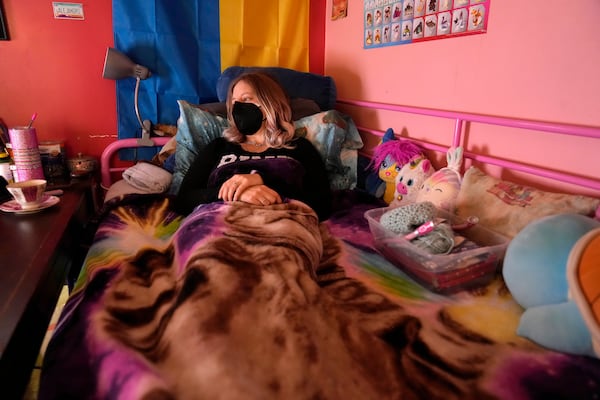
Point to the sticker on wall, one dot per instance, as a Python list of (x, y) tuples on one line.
[(68, 10), (395, 22)]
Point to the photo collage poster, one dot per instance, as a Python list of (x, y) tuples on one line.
[(390, 23)]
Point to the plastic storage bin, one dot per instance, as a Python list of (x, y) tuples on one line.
[(442, 273)]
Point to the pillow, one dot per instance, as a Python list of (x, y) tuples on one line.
[(166, 152), (332, 133), (169, 163), (337, 139), (195, 129), (506, 207), (121, 188), (305, 85), (348, 178), (300, 108), (148, 177), (219, 109)]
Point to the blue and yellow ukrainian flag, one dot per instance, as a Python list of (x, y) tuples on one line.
[(187, 43)]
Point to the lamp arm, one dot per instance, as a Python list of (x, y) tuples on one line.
[(145, 139), (135, 100)]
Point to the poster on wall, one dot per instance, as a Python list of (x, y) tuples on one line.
[(339, 9), (391, 23)]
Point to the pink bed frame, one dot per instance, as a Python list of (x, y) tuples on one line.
[(107, 157), (460, 118)]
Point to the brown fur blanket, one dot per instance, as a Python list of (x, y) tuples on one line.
[(238, 301)]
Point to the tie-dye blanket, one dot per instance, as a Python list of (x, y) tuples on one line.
[(238, 301)]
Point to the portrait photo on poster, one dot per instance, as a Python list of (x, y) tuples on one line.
[(339, 9), (3, 28)]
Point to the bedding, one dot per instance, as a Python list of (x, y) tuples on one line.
[(240, 301), (221, 305), (508, 207), (148, 177)]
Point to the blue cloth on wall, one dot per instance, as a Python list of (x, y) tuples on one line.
[(180, 43)]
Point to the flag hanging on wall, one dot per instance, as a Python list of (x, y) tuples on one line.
[(186, 45)]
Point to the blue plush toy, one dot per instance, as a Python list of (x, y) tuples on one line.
[(535, 272)]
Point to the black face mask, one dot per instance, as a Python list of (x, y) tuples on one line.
[(247, 117)]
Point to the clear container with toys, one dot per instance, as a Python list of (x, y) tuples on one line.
[(439, 250)]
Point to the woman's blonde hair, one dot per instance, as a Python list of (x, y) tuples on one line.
[(275, 105)]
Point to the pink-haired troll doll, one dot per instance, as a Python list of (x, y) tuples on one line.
[(388, 159)]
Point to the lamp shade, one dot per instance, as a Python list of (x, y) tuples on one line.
[(118, 66)]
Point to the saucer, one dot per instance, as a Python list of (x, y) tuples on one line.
[(12, 206)]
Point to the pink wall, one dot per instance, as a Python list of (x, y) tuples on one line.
[(54, 67), (535, 62)]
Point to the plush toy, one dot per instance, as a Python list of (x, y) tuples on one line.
[(443, 186), (373, 183), (409, 180), (552, 269), (388, 158)]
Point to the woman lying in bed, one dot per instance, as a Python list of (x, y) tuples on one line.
[(240, 299), (258, 160)]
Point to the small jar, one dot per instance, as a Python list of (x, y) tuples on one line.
[(82, 165), (5, 170)]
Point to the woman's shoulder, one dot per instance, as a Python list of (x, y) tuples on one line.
[(218, 146), (304, 145), (220, 140), (301, 141), (220, 143)]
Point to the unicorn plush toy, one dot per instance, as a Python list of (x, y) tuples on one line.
[(410, 178)]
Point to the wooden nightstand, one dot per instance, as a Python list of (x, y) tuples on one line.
[(37, 252)]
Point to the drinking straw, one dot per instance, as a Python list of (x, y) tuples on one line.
[(33, 117)]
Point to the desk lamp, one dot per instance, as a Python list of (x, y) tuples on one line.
[(118, 66)]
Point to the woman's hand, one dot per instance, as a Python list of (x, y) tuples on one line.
[(259, 195), (233, 188)]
